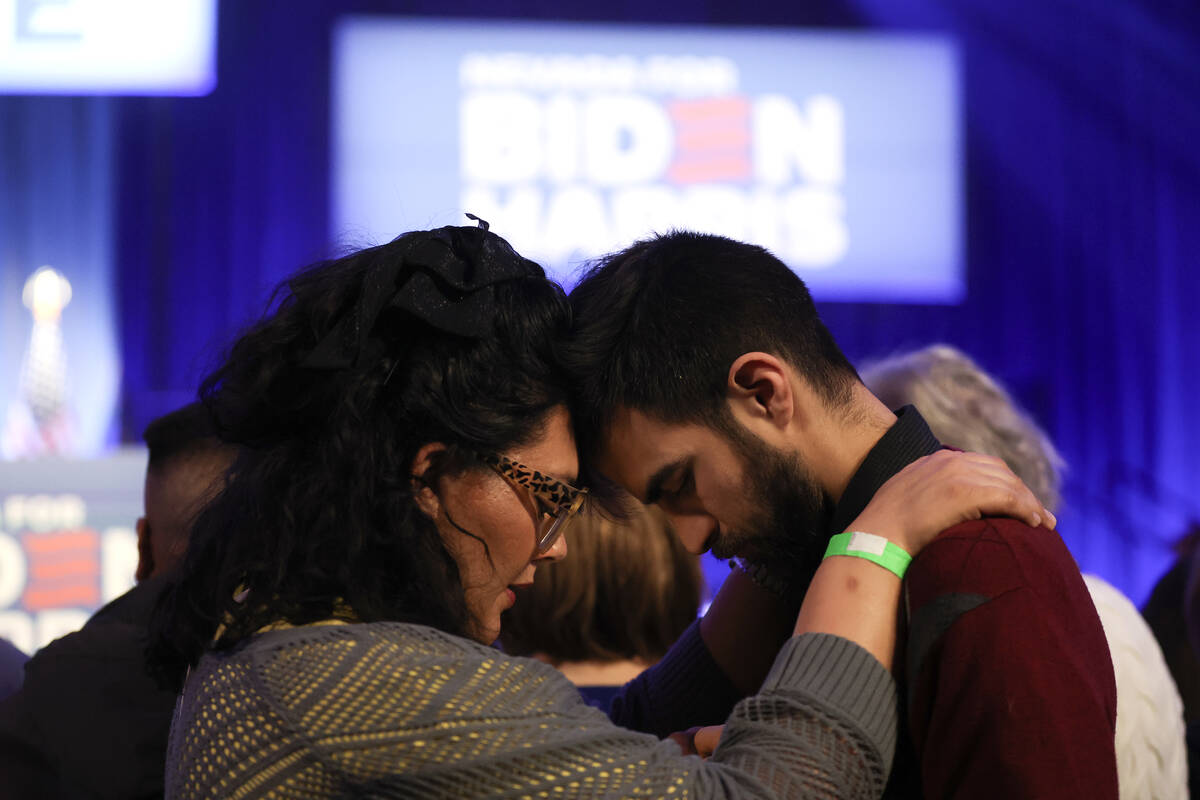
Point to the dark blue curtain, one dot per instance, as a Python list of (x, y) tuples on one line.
[(1082, 212)]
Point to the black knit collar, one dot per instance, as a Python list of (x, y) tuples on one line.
[(904, 442)]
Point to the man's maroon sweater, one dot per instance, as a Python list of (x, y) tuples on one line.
[(1005, 670)]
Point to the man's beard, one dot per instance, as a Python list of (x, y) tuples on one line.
[(788, 528)]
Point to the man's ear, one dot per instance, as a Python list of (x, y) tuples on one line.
[(759, 391), (426, 498), (145, 565)]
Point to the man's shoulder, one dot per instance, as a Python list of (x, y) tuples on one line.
[(90, 708), (134, 607), (993, 555), (996, 537), (106, 656), (115, 632), (102, 638)]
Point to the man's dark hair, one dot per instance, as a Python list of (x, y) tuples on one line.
[(180, 432), (657, 326)]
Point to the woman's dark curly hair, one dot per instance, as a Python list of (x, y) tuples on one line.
[(317, 517)]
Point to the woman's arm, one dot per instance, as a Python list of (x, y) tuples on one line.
[(856, 599), (852, 597), (739, 638)]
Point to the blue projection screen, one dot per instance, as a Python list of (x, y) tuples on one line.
[(157, 47), (840, 152)]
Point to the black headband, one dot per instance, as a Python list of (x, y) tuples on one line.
[(445, 277)]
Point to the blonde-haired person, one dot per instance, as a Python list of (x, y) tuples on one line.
[(969, 409), (601, 617)]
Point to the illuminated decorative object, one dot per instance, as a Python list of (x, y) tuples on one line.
[(39, 421)]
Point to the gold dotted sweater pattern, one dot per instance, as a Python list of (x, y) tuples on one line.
[(396, 710)]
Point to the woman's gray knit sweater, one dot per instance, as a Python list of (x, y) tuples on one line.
[(396, 710)]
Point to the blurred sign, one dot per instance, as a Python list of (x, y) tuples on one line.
[(837, 151), (68, 542), (108, 46)]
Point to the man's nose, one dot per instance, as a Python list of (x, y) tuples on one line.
[(694, 530)]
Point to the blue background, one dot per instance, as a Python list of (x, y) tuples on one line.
[(1082, 218)]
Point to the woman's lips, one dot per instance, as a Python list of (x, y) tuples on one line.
[(511, 591)]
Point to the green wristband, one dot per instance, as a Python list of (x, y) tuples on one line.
[(871, 547)]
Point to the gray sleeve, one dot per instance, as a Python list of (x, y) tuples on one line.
[(686, 688), (397, 710), (823, 724)]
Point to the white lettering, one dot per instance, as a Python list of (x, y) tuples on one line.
[(679, 75), (763, 226), (640, 210), (576, 225), (562, 138), (44, 512), (812, 144), (17, 627), (628, 139), (118, 562), (13, 571), (568, 177), (815, 233), (722, 210), (510, 137), (499, 137), (804, 226), (516, 211), (690, 76), (56, 622)]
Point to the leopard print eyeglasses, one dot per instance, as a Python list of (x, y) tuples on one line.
[(557, 501)]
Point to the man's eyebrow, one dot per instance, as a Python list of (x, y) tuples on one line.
[(654, 486)]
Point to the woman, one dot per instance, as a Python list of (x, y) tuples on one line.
[(407, 462)]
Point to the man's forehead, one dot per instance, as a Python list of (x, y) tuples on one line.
[(634, 446), (630, 430)]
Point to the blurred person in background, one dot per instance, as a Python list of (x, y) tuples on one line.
[(1166, 611), (629, 590), (1173, 613), (1192, 614), (967, 408), (90, 721)]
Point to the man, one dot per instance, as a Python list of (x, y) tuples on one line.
[(708, 385), (89, 720)]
